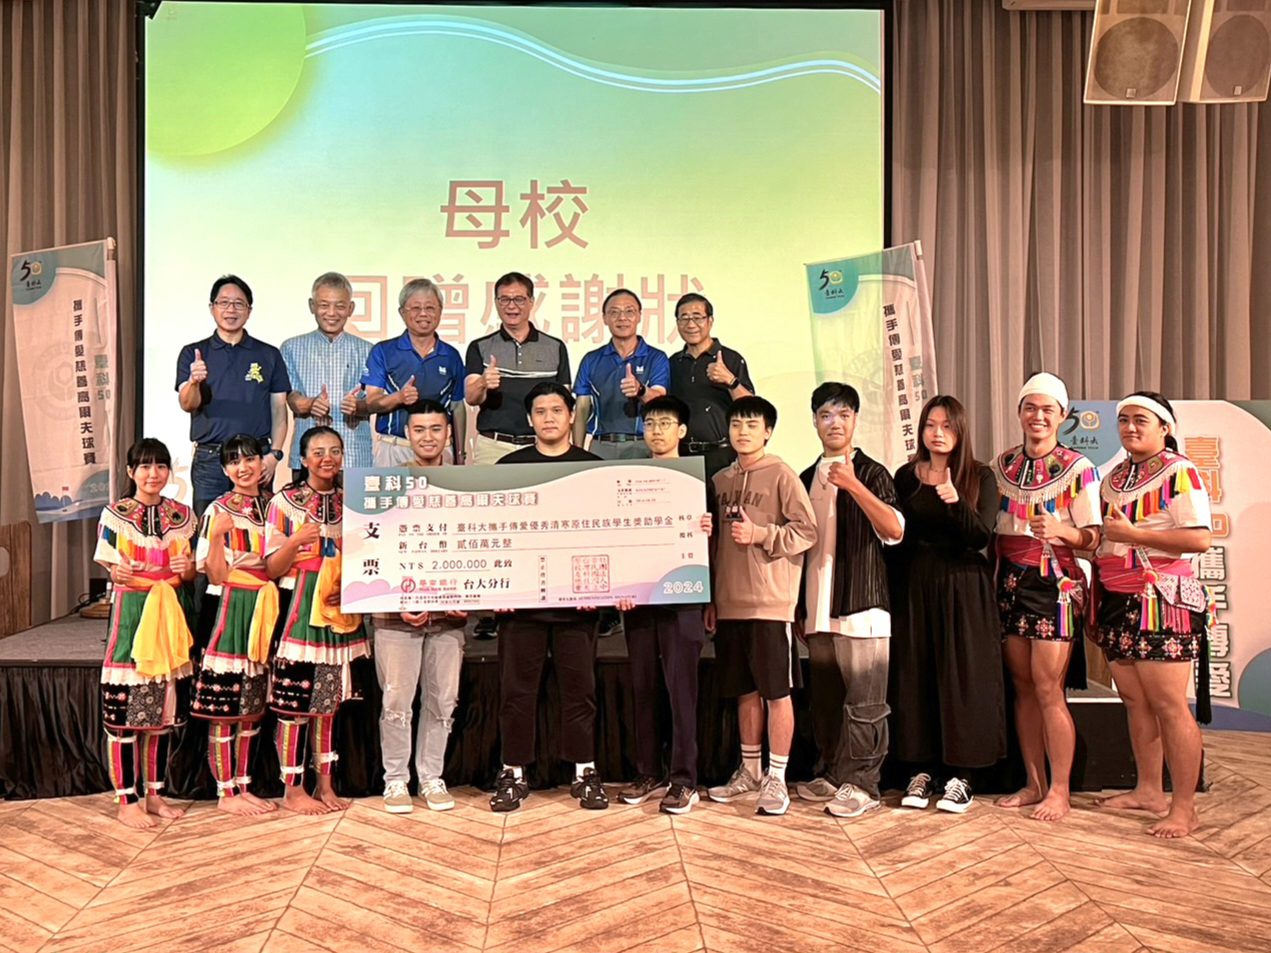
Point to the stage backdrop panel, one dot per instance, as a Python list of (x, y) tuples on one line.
[(664, 150)]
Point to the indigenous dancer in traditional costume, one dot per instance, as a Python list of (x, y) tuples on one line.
[(947, 698), (1049, 508), (238, 616), (1153, 614), (144, 542), (311, 668)]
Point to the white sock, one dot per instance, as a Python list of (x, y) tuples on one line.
[(752, 758), (777, 765), (516, 771), (581, 768)]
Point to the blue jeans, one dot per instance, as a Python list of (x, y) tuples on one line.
[(207, 478)]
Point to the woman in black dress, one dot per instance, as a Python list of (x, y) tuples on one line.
[(947, 694)]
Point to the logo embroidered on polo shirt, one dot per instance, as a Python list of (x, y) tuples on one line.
[(253, 374), (441, 371)]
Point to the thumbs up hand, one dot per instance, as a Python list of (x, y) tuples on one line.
[(409, 393), (945, 488), (348, 403), (320, 406), (629, 386), (491, 374), (198, 369), (717, 372), (1117, 526)]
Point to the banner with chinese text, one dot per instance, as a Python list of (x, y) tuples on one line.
[(1228, 441), (65, 335), (871, 328)]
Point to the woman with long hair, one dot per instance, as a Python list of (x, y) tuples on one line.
[(237, 623), (947, 693), (317, 643), (1153, 614), (143, 541)]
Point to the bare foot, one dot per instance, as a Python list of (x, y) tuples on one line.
[(265, 806), (326, 794), (134, 815), (238, 805), (1135, 800), (1021, 798), (1178, 823), (297, 800), (1053, 807), (157, 805)]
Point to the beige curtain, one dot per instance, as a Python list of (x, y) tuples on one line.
[(1115, 246), (68, 164)]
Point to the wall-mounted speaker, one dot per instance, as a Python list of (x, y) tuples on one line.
[(1136, 52), (1227, 57)]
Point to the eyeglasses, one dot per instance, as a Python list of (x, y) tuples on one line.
[(504, 301), (415, 311), (229, 304), (623, 313), (657, 425), (691, 319)]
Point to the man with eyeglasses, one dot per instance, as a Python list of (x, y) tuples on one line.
[(708, 377), (325, 367), (416, 365), (229, 384), (504, 366), (616, 380)]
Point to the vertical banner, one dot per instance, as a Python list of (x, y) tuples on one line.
[(65, 334), (871, 328), (1229, 442)]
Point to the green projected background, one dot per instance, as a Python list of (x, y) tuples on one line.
[(662, 150)]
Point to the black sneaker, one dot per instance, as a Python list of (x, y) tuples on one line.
[(644, 788), (589, 791), (920, 791), (679, 799), (509, 792), (609, 623), (487, 627), (957, 797)]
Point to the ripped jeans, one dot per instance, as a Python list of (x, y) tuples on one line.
[(429, 658), (849, 707)]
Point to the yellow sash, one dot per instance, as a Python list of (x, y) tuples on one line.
[(321, 614), (161, 644), (264, 615)]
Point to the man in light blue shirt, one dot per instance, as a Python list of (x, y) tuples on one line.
[(616, 380), (416, 365), (326, 367)]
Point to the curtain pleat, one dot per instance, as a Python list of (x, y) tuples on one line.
[(67, 160), (1115, 246)]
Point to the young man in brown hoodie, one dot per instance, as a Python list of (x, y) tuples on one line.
[(767, 525)]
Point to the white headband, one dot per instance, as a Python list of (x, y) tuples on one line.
[(1048, 385), (1147, 403)]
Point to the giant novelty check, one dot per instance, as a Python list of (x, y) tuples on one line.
[(525, 535)]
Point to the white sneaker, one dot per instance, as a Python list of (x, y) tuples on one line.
[(741, 784), (851, 801), (397, 798), (774, 796), (435, 795)]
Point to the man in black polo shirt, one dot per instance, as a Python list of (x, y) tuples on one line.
[(708, 377), (229, 384), (527, 634), (504, 366)]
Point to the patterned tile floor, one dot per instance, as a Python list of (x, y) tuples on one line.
[(552, 877)]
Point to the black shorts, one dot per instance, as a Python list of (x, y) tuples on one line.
[(755, 655)]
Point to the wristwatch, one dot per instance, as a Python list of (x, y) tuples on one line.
[(276, 454)]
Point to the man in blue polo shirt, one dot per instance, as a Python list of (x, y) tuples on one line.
[(229, 384), (416, 365), (616, 380)]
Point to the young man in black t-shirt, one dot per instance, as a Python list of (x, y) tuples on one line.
[(526, 636)]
